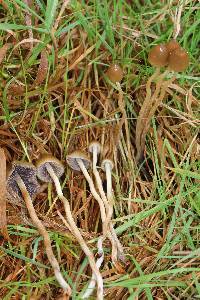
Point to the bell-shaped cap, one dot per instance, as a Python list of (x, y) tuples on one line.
[(56, 165), (115, 73), (72, 160), (27, 172), (158, 56)]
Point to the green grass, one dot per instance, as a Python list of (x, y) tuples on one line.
[(157, 220)]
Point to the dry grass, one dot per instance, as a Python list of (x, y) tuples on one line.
[(56, 98)]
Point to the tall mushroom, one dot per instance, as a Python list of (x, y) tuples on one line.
[(79, 161), (95, 149), (107, 166), (177, 60), (50, 169), (115, 74), (22, 184)]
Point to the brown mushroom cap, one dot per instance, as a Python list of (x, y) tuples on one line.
[(172, 45), (42, 163), (115, 73), (178, 60), (72, 160), (27, 172), (158, 56)]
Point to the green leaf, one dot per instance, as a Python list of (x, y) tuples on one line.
[(11, 26), (22, 257), (187, 173), (50, 13)]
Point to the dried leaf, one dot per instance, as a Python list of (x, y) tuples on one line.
[(3, 220), (3, 51), (42, 70)]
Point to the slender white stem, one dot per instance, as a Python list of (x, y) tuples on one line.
[(93, 190), (42, 230), (77, 233), (99, 262), (109, 209), (98, 178)]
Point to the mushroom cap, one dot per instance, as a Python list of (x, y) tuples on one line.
[(115, 73), (178, 60), (41, 164), (158, 56), (107, 161), (172, 45), (94, 144), (72, 160), (27, 172)]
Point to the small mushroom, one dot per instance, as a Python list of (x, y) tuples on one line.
[(178, 60), (158, 56), (115, 73), (78, 161), (95, 149), (22, 183), (50, 169), (46, 162), (27, 172), (107, 166)]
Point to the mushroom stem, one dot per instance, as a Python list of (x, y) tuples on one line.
[(94, 192), (42, 230), (110, 201), (103, 201), (99, 262), (77, 233), (97, 177)]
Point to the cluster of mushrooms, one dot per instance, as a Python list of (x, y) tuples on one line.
[(23, 184), (170, 54), (175, 59)]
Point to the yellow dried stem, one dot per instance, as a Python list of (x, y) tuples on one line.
[(144, 114), (157, 101)]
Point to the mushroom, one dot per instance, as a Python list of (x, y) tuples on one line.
[(176, 58), (22, 184), (95, 149), (107, 166), (78, 161), (50, 169), (158, 56), (115, 74)]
